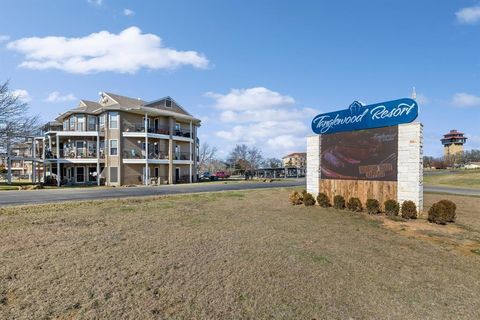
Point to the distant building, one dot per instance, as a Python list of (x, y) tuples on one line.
[(453, 143), (296, 159), (472, 165), (22, 161)]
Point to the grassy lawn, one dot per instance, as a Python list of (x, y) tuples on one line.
[(242, 254), (459, 179)]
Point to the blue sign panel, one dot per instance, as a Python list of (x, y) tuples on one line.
[(359, 117)]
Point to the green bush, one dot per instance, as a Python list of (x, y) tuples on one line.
[(296, 198), (392, 207), (451, 209), (323, 200), (438, 213), (354, 204), (373, 206), (409, 210), (339, 202), (308, 199)]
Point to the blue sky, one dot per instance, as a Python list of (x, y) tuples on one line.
[(255, 72)]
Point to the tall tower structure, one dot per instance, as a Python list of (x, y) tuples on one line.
[(453, 142)]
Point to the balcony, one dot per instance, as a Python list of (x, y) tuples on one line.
[(182, 156), (137, 153), (140, 127), (74, 153)]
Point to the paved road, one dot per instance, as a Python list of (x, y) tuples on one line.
[(449, 190), (8, 198)]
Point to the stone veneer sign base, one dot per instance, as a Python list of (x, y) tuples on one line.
[(409, 184)]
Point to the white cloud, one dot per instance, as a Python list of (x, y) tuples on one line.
[(249, 99), (96, 2), (264, 118), (4, 37), (265, 115), (55, 96), (262, 131), (126, 52), (128, 12), (465, 100), (284, 141), (22, 95), (469, 15)]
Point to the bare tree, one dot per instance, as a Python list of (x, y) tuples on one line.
[(254, 158), (242, 158), (16, 124), (272, 163), (237, 160), (207, 156)]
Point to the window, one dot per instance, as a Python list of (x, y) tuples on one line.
[(81, 122), (148, 122), (92, 123), (114, 174), (80, 176), (113, 147), (72, 123), (113, 120), (168, 103), (101, 121), (102, 149), (91, 149), (65, 125)]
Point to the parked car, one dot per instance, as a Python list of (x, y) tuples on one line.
[(206, 176), (222, 175)]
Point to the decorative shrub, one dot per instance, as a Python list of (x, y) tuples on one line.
[(308, 199), (373, 206), (339, 202), (323, 200), (354, 204), (451, 209), (392, 207), (438, 213), (296, 198), (409, 210)]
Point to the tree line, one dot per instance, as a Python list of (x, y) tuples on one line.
[(240, 160), (457, 159)]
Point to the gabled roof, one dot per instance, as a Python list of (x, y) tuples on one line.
[(159, 103), (90, 106), (301, 154), (124, 101), (112, 101)]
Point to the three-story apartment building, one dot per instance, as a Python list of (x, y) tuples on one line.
[(122, 141)]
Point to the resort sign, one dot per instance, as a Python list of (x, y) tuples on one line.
[(359, 117)]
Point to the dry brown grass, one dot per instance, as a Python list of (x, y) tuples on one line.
[(248, 254)]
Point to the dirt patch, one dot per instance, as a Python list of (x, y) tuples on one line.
[(449, 236)]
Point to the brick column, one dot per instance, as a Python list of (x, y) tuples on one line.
[(410, 164), (313, 164)]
